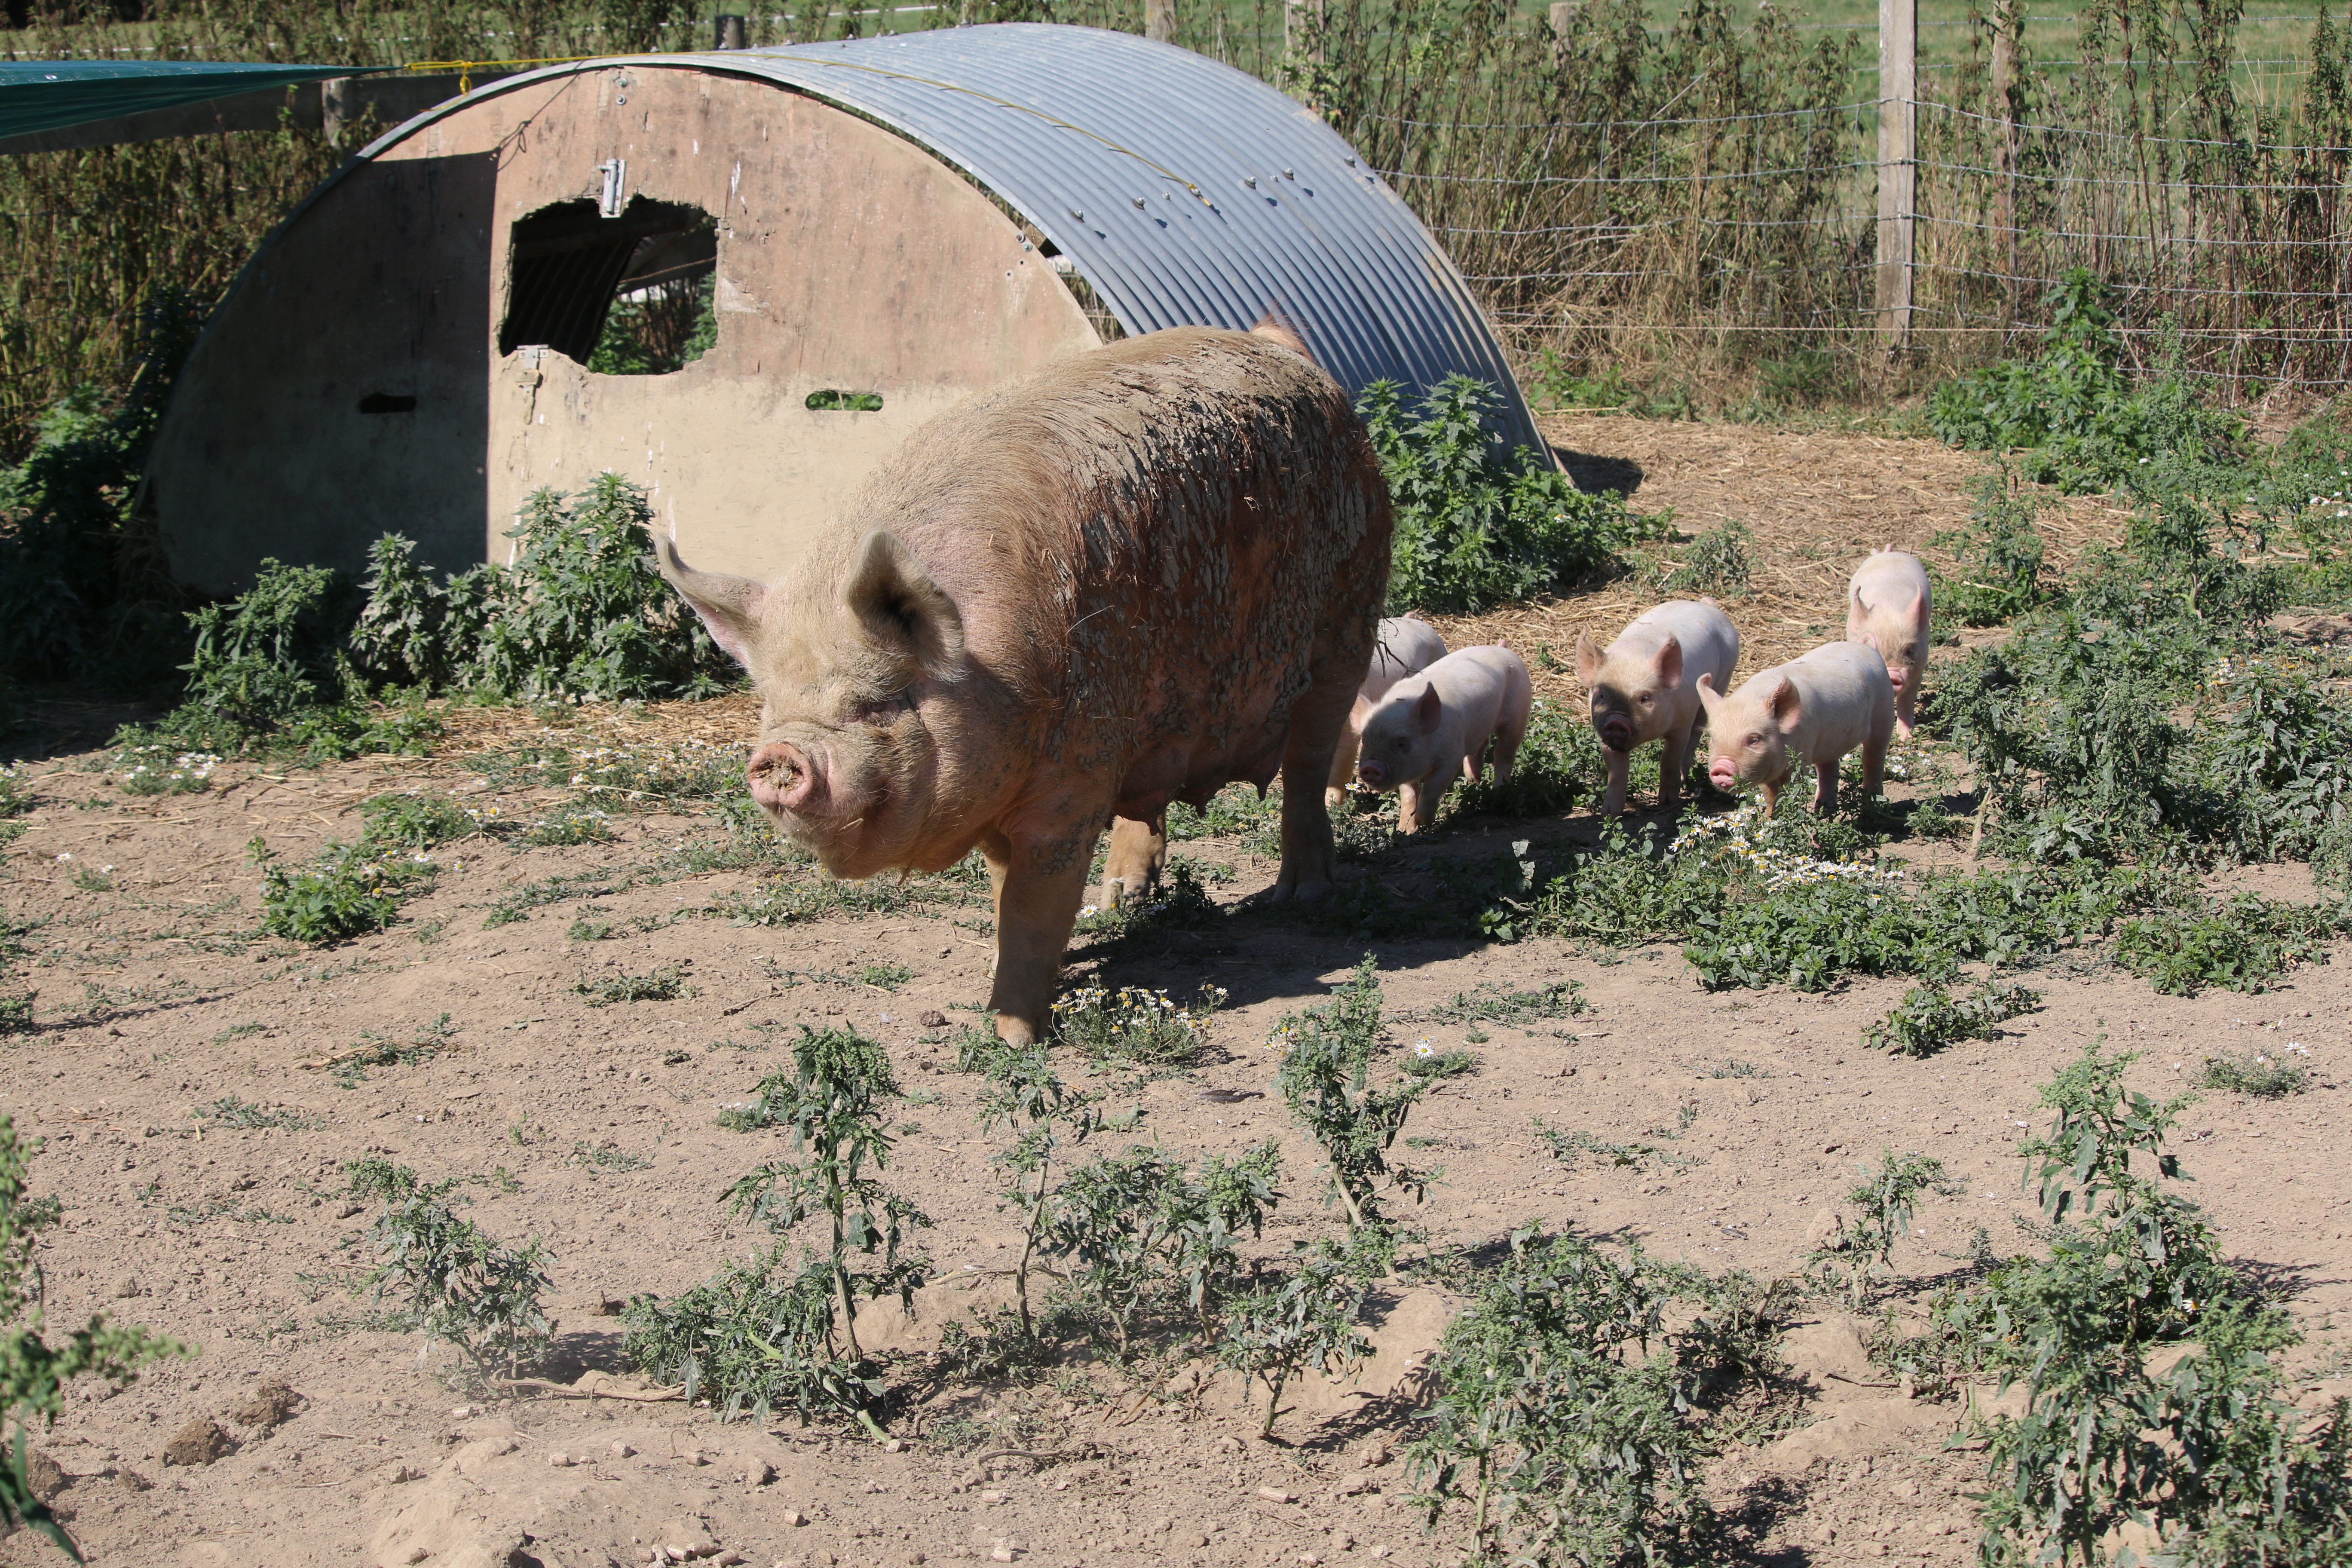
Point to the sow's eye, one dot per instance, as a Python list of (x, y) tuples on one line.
[(883, 711)]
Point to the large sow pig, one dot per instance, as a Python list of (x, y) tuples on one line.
[(1887, 606), (1814, 709), (1433, 727), (1645, 688), (1148, 572), (1407, 646)]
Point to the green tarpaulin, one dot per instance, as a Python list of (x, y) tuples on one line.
[(44, 95)]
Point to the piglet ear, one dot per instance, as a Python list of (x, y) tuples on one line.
[(728, 605), (1588, 658), (1708, 697), (1670, 663), (899, 606), (1787, 706), (1429, 710), (1919, 611)]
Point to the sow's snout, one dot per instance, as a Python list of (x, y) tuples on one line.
[(783, 779)]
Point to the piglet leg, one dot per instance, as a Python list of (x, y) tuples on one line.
[(1874, 766), (1674, 759), (1039, 887), (1621, 765), (1343, 757), (1508, 736), (1139, 853), (1825, 773)]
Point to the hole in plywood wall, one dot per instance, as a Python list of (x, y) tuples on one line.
[(630, 295), (832, 402)]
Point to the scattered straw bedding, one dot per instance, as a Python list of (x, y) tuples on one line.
[(1817, 502)]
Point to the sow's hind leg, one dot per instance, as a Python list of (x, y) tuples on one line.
[(1137, 854), (1307, 856)]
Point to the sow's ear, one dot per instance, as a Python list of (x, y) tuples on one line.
[(728, 605), (899, 605)]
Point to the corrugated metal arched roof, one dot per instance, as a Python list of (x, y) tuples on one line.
[(1186, 193)]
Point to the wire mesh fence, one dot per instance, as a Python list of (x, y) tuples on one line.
[(1689, 200)]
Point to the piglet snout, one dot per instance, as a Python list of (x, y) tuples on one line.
[(782, 778), (1374, 775), (1617, 733), (1722, 774)]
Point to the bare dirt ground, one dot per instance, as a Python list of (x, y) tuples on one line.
[(593, 1127)]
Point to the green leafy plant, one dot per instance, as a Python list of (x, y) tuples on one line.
[(835, 1102), (1143, 1232), (1325, 1079), (2205, 1453), (2002, 555), (662, 984), (757, 1334), (1025, 1094), (35, 1374), (1561, 1413), (1301, 1317), (2271, 1073), (1477, 527), (580, 612), (572, 824), (2083, 421), (1719, 562), (1930, 1017), (460, 1284), (1863, 1247), (2239, 945), (885, 976), (347, 890), (415, 820), (1136, 1024)]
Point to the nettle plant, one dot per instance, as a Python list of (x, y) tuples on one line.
[(1862, 1248), (1562, 1416), (1143, 1235), (2213, 1454), (764, 1332), (458, 1285), (1326, 1078), (33, 1372), (1477, 526)]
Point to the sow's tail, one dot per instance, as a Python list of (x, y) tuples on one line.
[(1275, 327)]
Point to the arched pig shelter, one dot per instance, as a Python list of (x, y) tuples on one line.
[(404, 354)]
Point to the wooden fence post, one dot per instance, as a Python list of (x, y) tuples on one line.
[(1898, 172), (2008, 23), (1302, 30), (1159, 20)]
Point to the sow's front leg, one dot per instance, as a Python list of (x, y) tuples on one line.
[(1137, 854), (1039, 885)]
